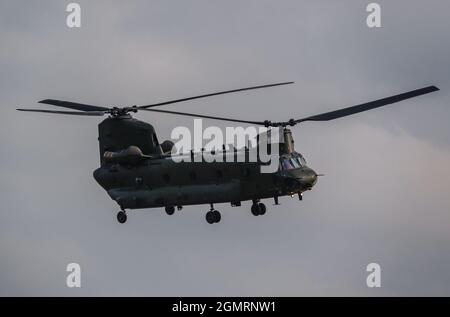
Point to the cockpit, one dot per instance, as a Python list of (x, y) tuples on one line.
[(295, 160), (293, 167)]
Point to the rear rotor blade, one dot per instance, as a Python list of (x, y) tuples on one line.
[(76, 113), (206, 117), (72, 105), (368, 106), (213, 94)]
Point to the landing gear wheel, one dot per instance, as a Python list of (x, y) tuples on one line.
[(262, 208), (258, 209), (121, 217), (213, 216), (217, 216), (255, 210), (170, 210), (210, 217)]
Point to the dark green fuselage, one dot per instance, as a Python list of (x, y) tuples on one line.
[(159, 181)]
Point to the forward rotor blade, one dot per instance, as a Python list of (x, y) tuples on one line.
[(76, 113), (206, 117), (213, 94), (368, 106), (72, 105)]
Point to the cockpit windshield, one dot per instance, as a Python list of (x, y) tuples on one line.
[(286, 164), (295, 161)]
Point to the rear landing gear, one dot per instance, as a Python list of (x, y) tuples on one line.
[(258, 209), (213, 216), (262, 209), (121, 216)]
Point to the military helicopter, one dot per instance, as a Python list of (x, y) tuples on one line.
[(139, 172)]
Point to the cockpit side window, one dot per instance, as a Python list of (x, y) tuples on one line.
[(302, 159)]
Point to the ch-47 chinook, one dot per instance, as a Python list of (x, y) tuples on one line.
[(139, 172)]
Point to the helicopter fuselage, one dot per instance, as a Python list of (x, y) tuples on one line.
[(164, 182), (160, 181)]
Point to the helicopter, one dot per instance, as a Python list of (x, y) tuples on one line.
[(137, 171)]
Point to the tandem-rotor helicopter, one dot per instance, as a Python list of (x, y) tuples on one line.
[(139, 172)]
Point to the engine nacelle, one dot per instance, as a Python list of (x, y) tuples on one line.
[(131, 155)]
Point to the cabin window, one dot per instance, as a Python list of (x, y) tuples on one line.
[(139, 181)]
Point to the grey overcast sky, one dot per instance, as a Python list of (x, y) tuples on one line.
[(385, 197)]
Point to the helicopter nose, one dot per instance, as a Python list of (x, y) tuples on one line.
[(308, 178)]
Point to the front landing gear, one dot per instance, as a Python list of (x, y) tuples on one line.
[(121, 216), (258, 209), (213, 216)]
